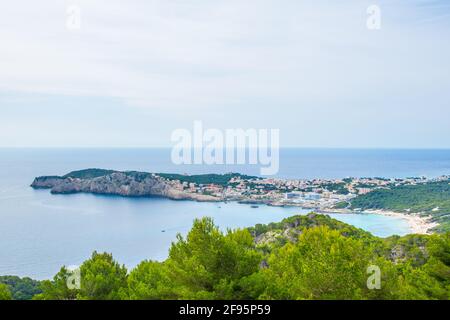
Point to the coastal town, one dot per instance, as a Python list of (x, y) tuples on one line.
[(318, 194)]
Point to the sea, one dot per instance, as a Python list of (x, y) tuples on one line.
[(40, 232)]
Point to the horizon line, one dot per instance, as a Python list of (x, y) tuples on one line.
[(170, 147)]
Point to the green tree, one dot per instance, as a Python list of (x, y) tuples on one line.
[(21, 288), (102, 278), (418, 284), (323, 264), (432, 279), (149, 281), (5, 294), (210, 265), (57, 289)]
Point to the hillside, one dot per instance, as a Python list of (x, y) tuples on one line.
[(432, 198)]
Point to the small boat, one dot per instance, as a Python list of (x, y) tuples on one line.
[(163, 230), (254, 207)]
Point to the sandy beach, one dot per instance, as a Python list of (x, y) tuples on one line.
[(417, 223)]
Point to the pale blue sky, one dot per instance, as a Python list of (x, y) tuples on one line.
[(137, 70)]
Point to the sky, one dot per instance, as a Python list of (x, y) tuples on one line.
[(131, 72)]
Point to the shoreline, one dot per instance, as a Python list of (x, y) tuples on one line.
[(417, 223)]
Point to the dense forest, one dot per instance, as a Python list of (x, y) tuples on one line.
[(431, 198), (302, 257), (20, 288)]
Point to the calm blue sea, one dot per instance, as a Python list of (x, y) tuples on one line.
[(40, 232)]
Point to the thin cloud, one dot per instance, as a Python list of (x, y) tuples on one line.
[(286, 64)]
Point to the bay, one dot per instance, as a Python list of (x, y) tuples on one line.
[(40, 232)]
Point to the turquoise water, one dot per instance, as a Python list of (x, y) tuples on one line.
[(40, 232)]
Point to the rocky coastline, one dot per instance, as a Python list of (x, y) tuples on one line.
[(126, 184)]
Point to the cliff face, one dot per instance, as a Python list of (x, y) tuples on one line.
[(117, 183), (46, 182)]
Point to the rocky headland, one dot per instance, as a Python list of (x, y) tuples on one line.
[(108, 182)]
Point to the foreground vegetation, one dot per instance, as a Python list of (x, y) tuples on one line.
[(432, 198), (302, 257), (19, 288)]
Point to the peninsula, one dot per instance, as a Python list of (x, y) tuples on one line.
[(109, 182)]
